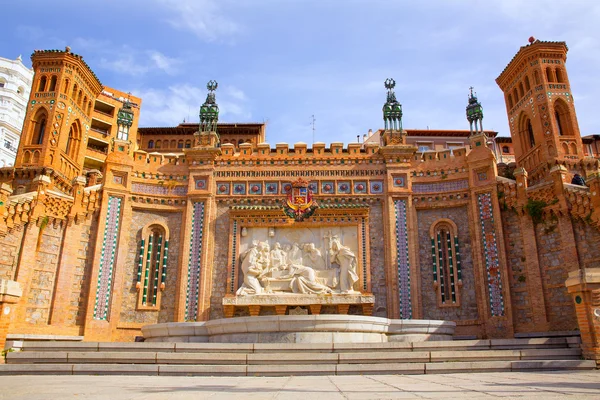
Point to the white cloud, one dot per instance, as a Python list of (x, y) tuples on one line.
[(201, 17), (170, 106)]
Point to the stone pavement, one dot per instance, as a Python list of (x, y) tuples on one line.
[(506, 385)]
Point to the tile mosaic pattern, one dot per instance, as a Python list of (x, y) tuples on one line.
[(363, 228), (194, 262), (107, 258), (223, 188), (399, 181), (239, 188), (344, 187), (314, 187), (376, 187), (327, 187), (255, 188), (145, 188), (271, 187), (403, 264), (360, 187), (440, 187), (286, 188), (200, 184), (490, 253), (233, 258), (179, 190)]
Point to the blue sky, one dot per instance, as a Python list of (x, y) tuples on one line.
[(282, 61)]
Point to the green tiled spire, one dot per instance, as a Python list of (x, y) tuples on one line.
[(209, 111), (392, 109), (474, 113)]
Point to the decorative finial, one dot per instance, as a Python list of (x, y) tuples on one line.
[(392, 109), (474, 112), (531, 39), (212, 85), (390, 83), (68, 49)]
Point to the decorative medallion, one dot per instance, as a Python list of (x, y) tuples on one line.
[(286, 188), (300, 204), (239, 188), (255, 188), (376, 187), (360, 187), (343, 187), (327, 188), (271, 187), (223, 188)]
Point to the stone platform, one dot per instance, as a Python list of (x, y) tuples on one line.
[(313, 302), (330, 328)]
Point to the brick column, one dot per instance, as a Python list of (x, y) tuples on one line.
[(10, 292), (584, 286)]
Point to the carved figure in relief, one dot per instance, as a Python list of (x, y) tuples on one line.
[(304, 280), (297, 268), (278, 257), (252, 271), (346, 259)]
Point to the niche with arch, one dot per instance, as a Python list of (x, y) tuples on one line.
[(73, 140), (152, 265), (447, 272), (562, 116), (38, 126)]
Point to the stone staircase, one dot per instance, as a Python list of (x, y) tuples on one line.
[(276, 359)]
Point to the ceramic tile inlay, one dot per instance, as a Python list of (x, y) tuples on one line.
[(490, 253), (194, 262), (402, 264), (107, 257)]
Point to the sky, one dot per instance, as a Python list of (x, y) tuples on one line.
[(283, 61)]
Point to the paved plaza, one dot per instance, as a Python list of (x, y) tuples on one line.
[(546, 385)]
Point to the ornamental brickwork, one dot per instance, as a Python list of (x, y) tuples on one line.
[(106, 227)]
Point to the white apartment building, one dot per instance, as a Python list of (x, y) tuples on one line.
[(15, 85)]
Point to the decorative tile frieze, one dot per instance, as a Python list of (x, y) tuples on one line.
[(107, 258), (490, 254), (194, 262), (440, 187), (402, 260)]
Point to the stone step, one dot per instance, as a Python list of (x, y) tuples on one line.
[(156, 347), (286, 358), (293, 369)]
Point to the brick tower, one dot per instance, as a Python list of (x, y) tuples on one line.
[(540, 109), (58, 116)]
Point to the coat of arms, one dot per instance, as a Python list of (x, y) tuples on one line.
[(299, 203)]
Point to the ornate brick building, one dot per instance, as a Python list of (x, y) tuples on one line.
[(107, 227)]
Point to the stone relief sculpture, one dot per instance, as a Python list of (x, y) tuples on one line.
[(298, 268)]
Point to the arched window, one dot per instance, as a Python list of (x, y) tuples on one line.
[(536, 77), (73, 141), (42, 84), (549, 74), (152, 265), (74, 92), (188, 144), (505, 149), (510, 101), (530, 133), (173, 144), (516, 95), (563, 118), (65, 88), (151, 144), (559, 75), (527, 85), (79, 97), (180, 144), (445, 253), (52, 87), (39, 126), (89, 108), (158, 144), (521, 91)]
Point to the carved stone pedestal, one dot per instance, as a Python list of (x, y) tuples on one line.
[(10, 293), (314, 302), (584, 286)]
